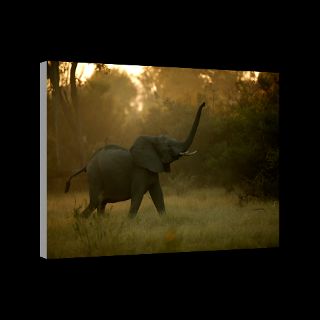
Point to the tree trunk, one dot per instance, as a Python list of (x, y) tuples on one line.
[(53, 71), (75, 103)]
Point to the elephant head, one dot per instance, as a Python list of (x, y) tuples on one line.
[(156, 153)]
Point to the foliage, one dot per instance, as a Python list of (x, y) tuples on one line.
[(244, 147), (237, 139)]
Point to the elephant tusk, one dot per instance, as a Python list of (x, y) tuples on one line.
[(188, 153)]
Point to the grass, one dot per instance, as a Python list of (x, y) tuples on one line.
[(199, 220)]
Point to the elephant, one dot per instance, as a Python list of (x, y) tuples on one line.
[(118, 174)]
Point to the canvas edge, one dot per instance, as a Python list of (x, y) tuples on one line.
[(43, 160)]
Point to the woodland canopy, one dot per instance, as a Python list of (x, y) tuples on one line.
[(237, 139)]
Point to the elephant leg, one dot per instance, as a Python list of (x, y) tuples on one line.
[(88, 210), (136, 199), (101, 207), (157, 198), (94, 202)]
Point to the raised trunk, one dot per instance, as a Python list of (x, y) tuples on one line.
[(188, 142)]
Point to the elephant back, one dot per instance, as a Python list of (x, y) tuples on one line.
[(111, 159)]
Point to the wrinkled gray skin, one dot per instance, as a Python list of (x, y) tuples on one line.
[(117, 174)]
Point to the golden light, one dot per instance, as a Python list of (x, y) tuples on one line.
[(84, 71), (131, 70), (205, 77), (247, 75)]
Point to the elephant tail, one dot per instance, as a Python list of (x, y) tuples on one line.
[(84, 169)]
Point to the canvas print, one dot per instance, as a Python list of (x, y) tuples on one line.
[(147, 160)]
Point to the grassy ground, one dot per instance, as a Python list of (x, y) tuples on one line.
[(202, 219)]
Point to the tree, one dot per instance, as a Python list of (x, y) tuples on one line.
[(54, 76), (106, 107), (75, 104), (66, 110)]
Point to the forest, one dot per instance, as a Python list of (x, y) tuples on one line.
[(237, 139), (223, 197)]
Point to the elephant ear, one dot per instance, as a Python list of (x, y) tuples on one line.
[(145, 155)]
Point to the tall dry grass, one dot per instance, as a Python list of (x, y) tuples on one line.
[(196, 220)]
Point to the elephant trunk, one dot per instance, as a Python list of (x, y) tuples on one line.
[(188, 142)]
